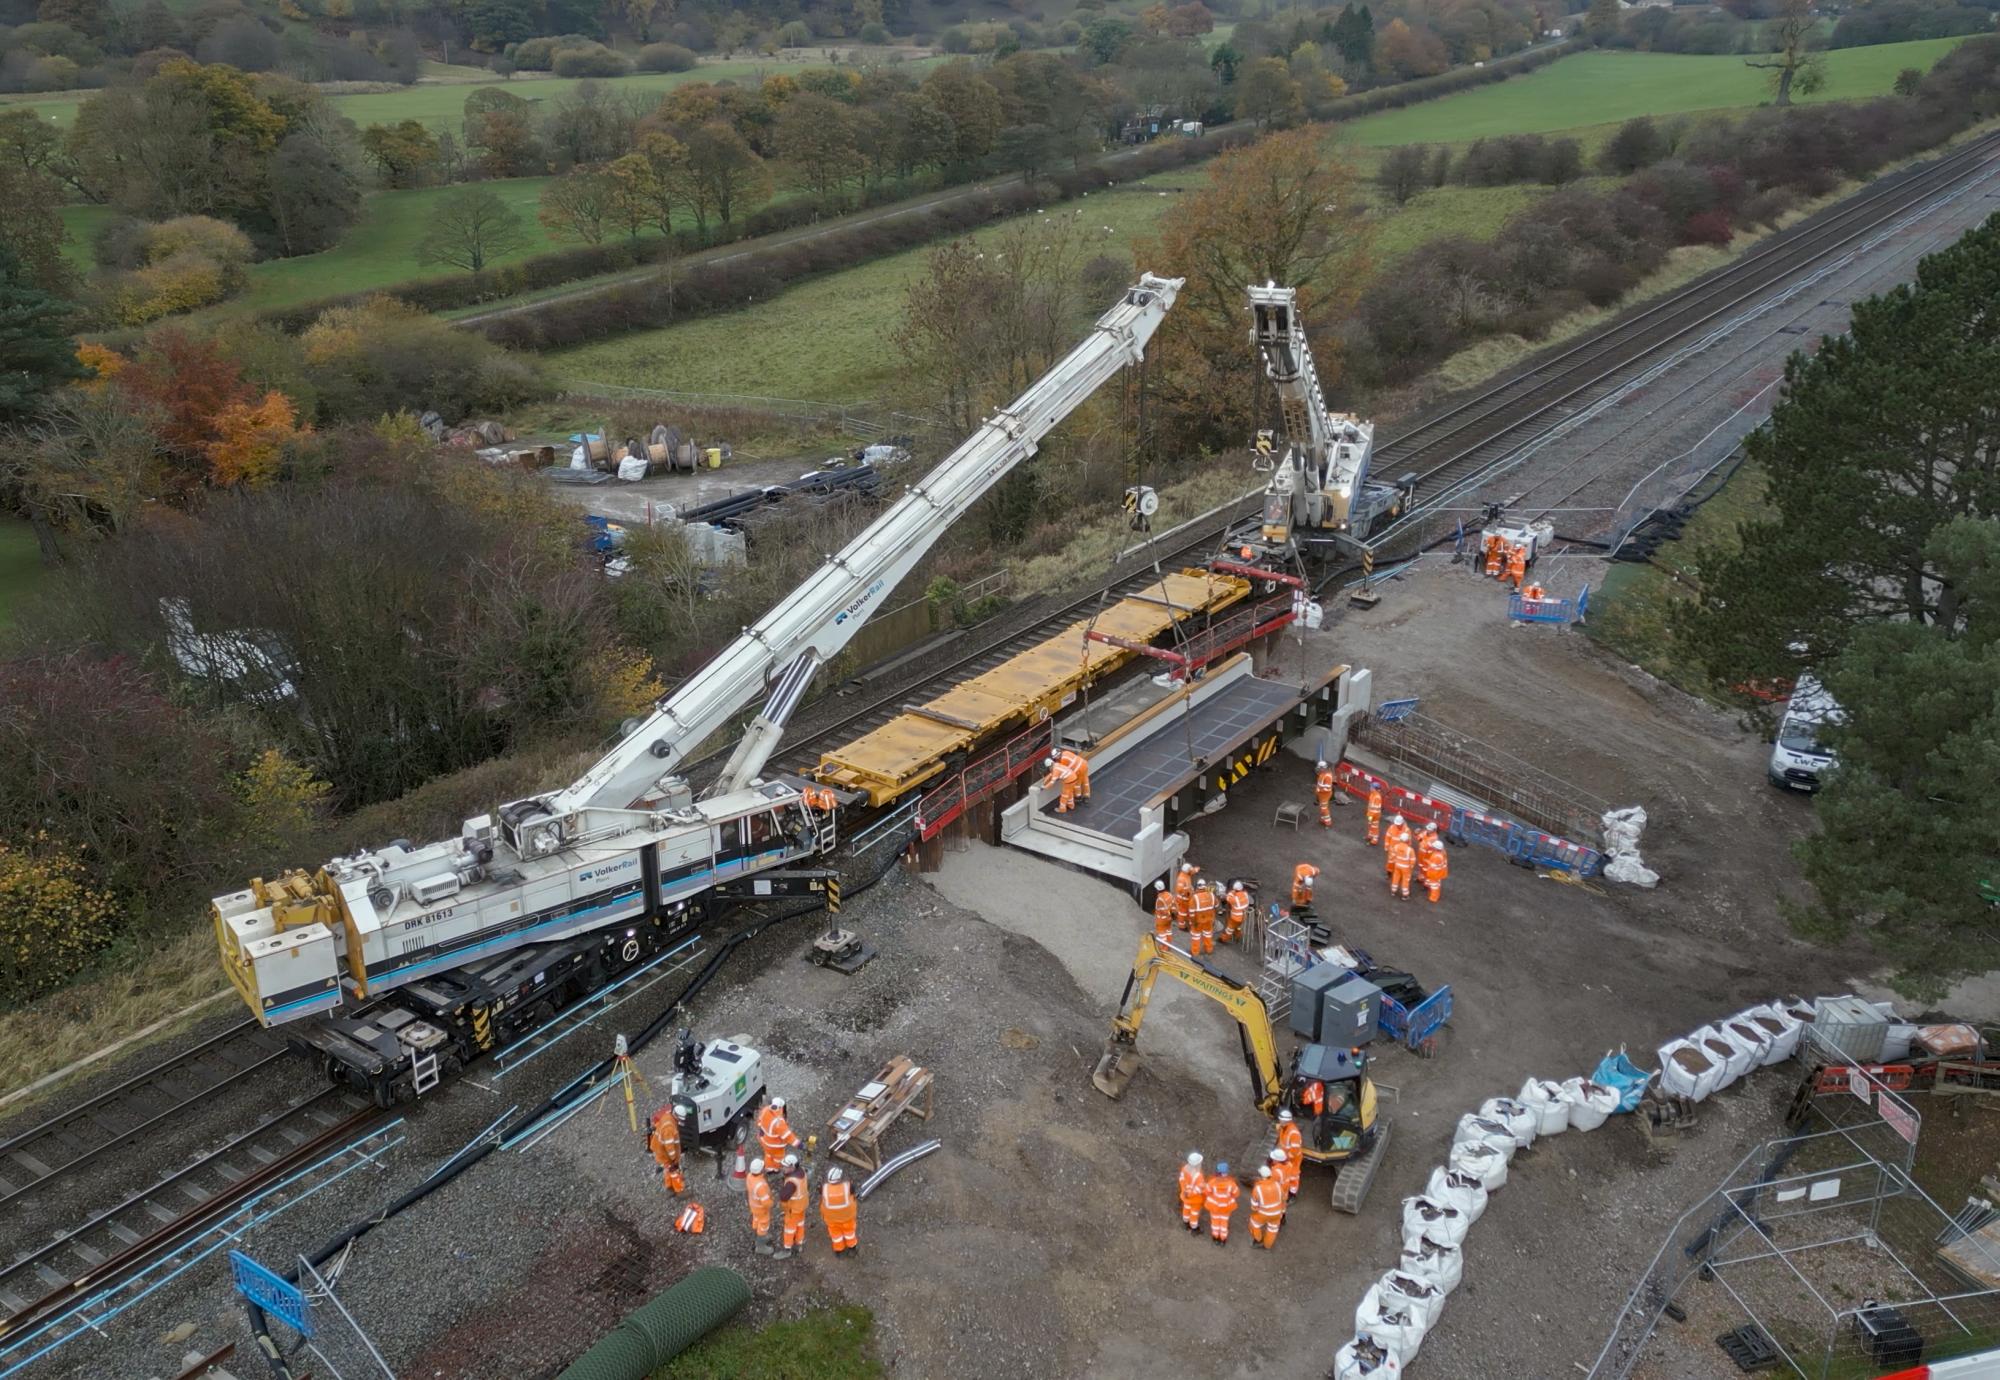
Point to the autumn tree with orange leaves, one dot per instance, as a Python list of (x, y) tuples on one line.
[(1284, 210)]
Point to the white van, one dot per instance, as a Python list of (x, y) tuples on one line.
[(1799, 758)]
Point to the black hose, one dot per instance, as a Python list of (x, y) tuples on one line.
[(347, 1236)]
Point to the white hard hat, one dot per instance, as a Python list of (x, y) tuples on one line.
[(1277, 1155), (757, 1166), (1264, 1172), (1159, 886), (1187, 867), (1430, 826), (778, 1104), (1285, 1115), (1194, 1158), (791, 1161), (833, 1175), (1234, 885), (1398, 819), (1321, 762)]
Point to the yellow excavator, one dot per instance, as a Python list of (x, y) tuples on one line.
[(1341, 1126)]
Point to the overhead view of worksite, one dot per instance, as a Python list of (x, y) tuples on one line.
[(1195, 834)]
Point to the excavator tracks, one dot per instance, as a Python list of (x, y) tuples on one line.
[(1357, 1175)]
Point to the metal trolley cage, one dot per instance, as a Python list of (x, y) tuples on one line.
[(1823, 1244), (1463, 763)]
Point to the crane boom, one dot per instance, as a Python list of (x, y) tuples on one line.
[(811, 625), (1322, 476)]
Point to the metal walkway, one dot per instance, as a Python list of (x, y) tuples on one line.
[(1173, 751), (1175, 759)]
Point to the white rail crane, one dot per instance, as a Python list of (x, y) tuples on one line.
[(484, 936), (1319, 495)]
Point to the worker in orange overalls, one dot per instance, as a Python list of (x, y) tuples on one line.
[(1374, 813), (1534, 592), (1517, 565), (837, 1210), (664, 1140), (1267, 1207), (1201, 920), (1163, 911), (757, 1189), (1184, 894), (1496, 556), (1238, 900), (1399, 832), (1402, 861), (821, 799), (1292, 1145), (1219, 1196), (1062, 773), (793, 1192), (1302, 885), (1193, 1191), (1312, 1097), (1323, 793), (775, 1136), (1431, 861), (1079, 764)]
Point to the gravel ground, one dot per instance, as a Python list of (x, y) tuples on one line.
[(637, 502)]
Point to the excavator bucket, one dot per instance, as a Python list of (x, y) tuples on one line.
[(1116, 1068)]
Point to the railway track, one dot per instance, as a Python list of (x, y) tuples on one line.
[(39, 1157), (117, 1241), (1454, 446)]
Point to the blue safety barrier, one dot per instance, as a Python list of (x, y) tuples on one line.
[(271, 1292), (1415, 1027), (1469, 826), (1549, 610), (1395, 711)]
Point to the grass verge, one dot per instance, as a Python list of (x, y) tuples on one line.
[(21, 569), (1630, 612), (132, 991), (825, 1344)]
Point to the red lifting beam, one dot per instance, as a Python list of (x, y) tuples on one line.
[(1255, 572), (1142, 648)]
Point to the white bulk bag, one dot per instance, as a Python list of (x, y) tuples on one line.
[(1545, 1100), (1441, 1222), (1484, 1130), (1729, 1053), (1441, 1266), (1391, 1320), (1515, 1116), (1424, 1299), (1746, 1030), (1781, 1032), (1461, 1191), (1365, 1358), (1590, 1103), (632, 468), (1482, 1160), (1686, 1068)]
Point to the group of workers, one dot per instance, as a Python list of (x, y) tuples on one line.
[(1507, 562), (1070, 770), (1405, 853), (1191, 906), (1218, 1193), (778, 1148)]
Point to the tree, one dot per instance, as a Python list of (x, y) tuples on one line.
[(587, 126), (1794, 64), (1284, 210), (644, 184), (1909, 823), (36, 351), (721, 174), (53, 921), (186, 383), (33, 231), (1406, 52), (311, 196), (945, 337), (28, 141), (1354, 35), (404, 151), (576, 205), (1266, 93), (250, 439), (1600, 21), (1882, 438), (469, 228), (920, 134), (86, 465), (1636, 145), (971, 104), (1103, 38), (1404, 171), (1026, 149), (1909, 81), (815, 138)]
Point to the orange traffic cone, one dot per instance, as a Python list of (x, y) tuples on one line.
[(742, 1170)]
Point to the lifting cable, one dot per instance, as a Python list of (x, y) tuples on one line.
[(343, 1242)]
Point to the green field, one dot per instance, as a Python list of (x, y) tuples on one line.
[(21, 569), (829, 338), (1596, 88), (441, 104)]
